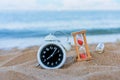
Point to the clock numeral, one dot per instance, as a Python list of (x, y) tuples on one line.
[(56, 62), (48, 63), (44, 52), (47, 49), (55, 48), (43, 56), (60, 55), (52, 64), (44, 60), (59, 59), (51, 47)]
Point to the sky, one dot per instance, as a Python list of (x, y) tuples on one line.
[(59, 5)]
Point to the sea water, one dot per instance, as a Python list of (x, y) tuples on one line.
[(28, 28)]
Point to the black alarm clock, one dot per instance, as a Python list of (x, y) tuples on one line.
[(51, 54)]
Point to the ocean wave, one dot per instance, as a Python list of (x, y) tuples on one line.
[(43, 32), (62, 25)]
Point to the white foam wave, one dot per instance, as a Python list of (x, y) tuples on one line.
[(63, 25), (27, 42)]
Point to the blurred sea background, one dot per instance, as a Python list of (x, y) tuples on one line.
[(28, 28)]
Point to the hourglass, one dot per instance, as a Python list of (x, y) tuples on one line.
[(80, 43), (81, 46)]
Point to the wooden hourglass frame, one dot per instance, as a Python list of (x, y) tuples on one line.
[(83, 34)]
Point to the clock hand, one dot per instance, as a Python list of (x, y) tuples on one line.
[(52, 54)]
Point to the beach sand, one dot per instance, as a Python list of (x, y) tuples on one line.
[(21, 64)]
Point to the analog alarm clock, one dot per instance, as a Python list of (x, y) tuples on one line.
[(51, 54)]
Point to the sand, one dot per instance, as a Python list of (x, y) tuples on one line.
[(17, 64)]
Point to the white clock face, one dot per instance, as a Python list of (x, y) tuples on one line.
[(51, 56)]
